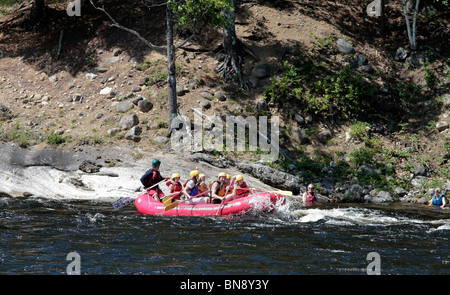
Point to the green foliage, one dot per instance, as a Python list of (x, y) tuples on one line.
[(56, 139), (322, 92), (362, 155), (359, 130), (200, 11), (156, 71), (430, 78), (447, 148)]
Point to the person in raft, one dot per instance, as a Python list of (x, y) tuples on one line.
[(191, 190), (438, 199), (241, 189), (175, 185), (218, 189), (309, 197), (152, 177), (202, 187), (228, 182)]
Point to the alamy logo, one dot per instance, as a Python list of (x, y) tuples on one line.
[(74, 8), (74, 267), (374, 267), (236, 134), (374, 8)]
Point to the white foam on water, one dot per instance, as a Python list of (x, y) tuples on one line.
[(351, 216)]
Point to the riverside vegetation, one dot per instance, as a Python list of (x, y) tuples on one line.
[(361, 115)]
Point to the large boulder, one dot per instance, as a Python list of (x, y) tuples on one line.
[(344, 46), (262, 70), (272, 177), (128, 121)]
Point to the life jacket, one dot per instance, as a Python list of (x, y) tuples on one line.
[(437, 201), (220, 190), (175, 186), (311, 198), (194, 190), (242, 190), (151, 177), (202, 187)]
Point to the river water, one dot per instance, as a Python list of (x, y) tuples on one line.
[(37, 234)]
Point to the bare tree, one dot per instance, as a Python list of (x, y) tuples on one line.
[(411, 31), (170, 49), (203, 11)]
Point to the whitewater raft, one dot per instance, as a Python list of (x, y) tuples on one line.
[(260, 202)]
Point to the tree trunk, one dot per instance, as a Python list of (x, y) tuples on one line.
[(171, 71), (36, 17), (411, 31), (234, 50)]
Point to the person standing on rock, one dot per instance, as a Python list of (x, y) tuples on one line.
[(309, 197), (438, 199), (152, 177)]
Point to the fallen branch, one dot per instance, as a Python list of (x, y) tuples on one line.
[(131, 31)]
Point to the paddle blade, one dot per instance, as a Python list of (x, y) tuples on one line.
[(171, 206), (122, 203), (167, 200)]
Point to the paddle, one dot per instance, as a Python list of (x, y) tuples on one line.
[(173, 205), (168, 199), (127, 200), (226, 192), (285, 193)]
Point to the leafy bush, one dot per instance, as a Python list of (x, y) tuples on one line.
[(56, 139), (322, 92), (359, 130)]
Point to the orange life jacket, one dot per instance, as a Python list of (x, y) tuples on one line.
[(220, 190), (202, 187)]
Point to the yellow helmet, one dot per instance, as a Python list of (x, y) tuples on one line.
[(239, 177), (228, 176), (222, 174), (194, 173), (174, 175), (201, 175)]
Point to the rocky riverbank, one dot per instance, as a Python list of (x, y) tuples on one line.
[(101, 173), (86, 123), (111, 173)]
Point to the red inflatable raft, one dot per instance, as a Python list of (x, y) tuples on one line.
[(265, 202)]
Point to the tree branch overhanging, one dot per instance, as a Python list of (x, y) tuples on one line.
[(131, 31)]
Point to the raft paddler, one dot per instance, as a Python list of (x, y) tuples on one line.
[(218, 189), (191, 190), (241, 189), (228, 182), (175, 185), (202, 187), (152, 177)]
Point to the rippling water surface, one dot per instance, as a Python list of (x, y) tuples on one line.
[(37, 234)]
